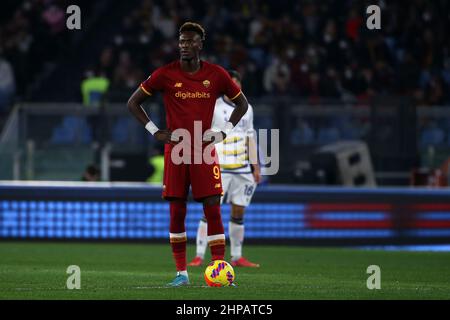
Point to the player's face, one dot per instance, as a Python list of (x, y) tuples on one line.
[(189, 44)]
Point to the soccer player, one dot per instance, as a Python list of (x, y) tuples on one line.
[(239, 177), (190, 87)]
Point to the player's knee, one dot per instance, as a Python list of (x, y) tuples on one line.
[(211, 201), (178, 201), (237, 220), (178, 206), (177, 213), (237, 211), (212, 213)]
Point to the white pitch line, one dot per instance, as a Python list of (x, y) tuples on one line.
[(164, 287), (107, 288)]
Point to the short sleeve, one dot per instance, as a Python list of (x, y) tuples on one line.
[(228, 88), (153, 83)]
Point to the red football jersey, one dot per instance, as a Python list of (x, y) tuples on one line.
[(190, 97)]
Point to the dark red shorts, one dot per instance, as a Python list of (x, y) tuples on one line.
[(204, 179)]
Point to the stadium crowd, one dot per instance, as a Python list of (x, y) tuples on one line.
[(33, 36), (304, 48), (307, 49)]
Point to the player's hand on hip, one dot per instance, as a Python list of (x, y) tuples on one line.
[(166, 136), (213, 136)]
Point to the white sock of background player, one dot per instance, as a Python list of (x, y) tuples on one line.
[(236, 232), (202, 233)]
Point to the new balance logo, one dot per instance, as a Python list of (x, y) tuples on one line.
[(178, 85)]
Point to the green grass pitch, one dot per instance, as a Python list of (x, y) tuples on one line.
[(37, 270)]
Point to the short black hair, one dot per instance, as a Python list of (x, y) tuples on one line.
[(195, 27), (235, 74)]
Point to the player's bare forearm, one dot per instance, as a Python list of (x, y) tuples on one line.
[(241, 108), (134, 105), (252, 150), (253, 157), (256, 173)]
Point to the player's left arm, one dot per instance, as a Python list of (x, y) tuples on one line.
[(253, 155), (232, 91), (253, 148), (241, 108)]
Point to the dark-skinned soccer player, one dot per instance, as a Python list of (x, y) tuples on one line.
[(190, 87)]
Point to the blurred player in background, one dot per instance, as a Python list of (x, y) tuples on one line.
[(91, 173), (239, 177), (156, 163), (190, 88)]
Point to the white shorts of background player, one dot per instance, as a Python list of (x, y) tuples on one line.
[(238, 188)]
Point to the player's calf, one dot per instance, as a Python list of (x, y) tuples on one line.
[(178, 237), (216, 234)]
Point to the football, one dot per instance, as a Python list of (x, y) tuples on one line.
[(219, 273)]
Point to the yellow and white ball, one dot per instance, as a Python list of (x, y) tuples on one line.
[(219, 273)]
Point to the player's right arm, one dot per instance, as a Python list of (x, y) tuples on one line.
[(135, 106)]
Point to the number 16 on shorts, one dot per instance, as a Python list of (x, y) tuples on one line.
[(248, 191)]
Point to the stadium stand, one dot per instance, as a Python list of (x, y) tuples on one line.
[(297, 54), (275, 46)]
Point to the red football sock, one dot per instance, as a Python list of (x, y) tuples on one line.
[(216, 235), (179, 252), (178, 233)]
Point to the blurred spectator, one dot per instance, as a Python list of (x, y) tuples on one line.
[(7, 84), (435, 93), (156, 162), (353, 24), (407, 74), (307, 49), (277, 77), (55, 18), (330, 86), (91, 173), (107, 62), (94, 88), (126, 74)]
